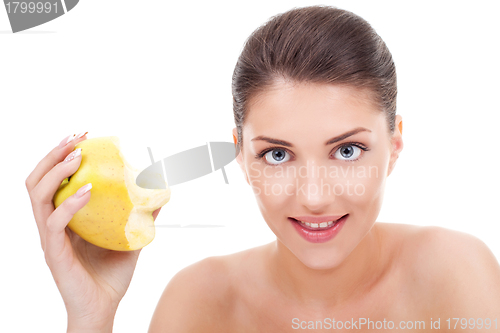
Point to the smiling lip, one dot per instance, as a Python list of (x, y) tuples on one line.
[(321, 235), (317, 219)]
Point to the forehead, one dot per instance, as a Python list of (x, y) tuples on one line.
[(312, 108)]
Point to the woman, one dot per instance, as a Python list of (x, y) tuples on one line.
[(314, 94)]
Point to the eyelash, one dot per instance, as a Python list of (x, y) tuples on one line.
[(356, 144)]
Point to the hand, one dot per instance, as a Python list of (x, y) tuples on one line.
[(91, 280)]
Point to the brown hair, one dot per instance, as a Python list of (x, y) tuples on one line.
[(317, 44)]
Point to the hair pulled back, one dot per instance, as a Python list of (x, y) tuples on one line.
[(316, 44)]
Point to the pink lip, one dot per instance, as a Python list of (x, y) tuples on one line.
[(321, 235), (317, 219)]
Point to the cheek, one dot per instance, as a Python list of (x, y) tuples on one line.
[(368, 183), (270, 184)]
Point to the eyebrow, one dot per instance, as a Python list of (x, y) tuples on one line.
[(329, 142)]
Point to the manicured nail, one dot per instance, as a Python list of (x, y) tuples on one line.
[(66, 140), (75, 153), (81, 135), (82, 190)]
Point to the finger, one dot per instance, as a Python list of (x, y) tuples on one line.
[(155, 213), (43, 193), (80, 137), (46, 188), (55, 156), (57, 246)]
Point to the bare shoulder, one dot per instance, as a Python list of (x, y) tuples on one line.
[(200, 297), (454, 271), (194, 295)]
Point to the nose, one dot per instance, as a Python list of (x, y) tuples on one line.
[(313, 187)]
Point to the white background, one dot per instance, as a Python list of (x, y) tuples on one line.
[(158, 74)]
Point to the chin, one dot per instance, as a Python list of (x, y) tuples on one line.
[(320, 258)]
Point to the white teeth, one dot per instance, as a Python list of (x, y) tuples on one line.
[(317, 225)]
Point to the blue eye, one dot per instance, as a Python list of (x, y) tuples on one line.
[(276, 156), (348, 153)]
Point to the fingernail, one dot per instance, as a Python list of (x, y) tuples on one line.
[(81, 135), (75, 153), (82, 190), (66, 140)]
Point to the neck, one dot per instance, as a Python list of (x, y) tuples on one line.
[(356, 274)]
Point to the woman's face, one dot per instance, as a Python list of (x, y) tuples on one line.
[(317, 152)]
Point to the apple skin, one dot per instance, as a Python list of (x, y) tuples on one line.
[(119, 213)]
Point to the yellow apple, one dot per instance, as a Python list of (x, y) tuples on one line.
[(119, 213)]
